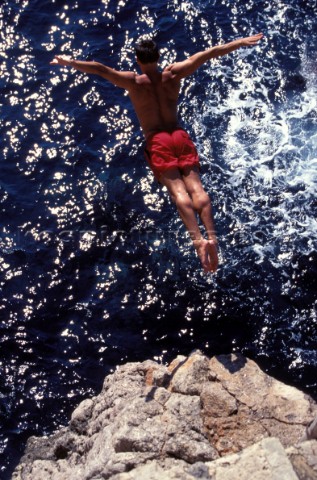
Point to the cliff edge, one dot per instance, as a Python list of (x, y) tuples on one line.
[(199, 418)]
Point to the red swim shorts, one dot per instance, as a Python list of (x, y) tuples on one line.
[(169, 150)]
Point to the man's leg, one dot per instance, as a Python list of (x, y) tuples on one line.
[(176, 186), (200, 198), (202, 205)]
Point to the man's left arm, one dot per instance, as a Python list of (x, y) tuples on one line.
[(118, 78), (190, 65)]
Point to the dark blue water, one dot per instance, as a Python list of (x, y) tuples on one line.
[(96, 268)]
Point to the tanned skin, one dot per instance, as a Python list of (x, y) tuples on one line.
[(154, 94)]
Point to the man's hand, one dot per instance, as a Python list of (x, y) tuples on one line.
[(62, 60), (250, 41)]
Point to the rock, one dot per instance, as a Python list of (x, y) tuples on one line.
[(264, 460), (166, 470), (311, 430), (157, 422), (266, 407), (81, 415), (304, 460)]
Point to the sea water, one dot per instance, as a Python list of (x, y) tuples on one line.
[(96, 266)]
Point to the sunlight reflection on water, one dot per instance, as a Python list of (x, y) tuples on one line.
[(96, 267)]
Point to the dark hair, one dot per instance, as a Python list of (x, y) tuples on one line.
[(147, 51)]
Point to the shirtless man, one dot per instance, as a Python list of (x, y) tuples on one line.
[(169, 150)]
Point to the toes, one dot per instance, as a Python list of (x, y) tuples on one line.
[(206, 258), (213, 256), (207, 253)]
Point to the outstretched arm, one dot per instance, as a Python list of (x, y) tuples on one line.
[(190, 65), (121, 79)]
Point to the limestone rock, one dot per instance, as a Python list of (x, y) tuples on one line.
[(304, 459), (157, 422), (311, 430), (266, 407), (262, 461)]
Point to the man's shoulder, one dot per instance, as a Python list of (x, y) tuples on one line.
[(168, 74), (142, 79)]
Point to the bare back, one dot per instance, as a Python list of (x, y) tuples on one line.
[(154, 97)]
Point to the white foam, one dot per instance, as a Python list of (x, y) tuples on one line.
[(269, 148)]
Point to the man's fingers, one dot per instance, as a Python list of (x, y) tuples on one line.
[(255, 38), (62, 60), (55, 60)]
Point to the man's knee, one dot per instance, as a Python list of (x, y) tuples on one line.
[(182, 200), (201, 200)]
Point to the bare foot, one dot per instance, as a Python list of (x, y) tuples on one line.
[(207, 253)]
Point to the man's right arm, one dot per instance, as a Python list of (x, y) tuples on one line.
[(118, 78), (190, 65)]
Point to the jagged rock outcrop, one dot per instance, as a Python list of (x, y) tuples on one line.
[(201, 418)]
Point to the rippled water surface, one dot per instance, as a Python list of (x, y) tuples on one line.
[(96, 268)]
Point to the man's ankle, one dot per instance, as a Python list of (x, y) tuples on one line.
[(211, 235), (198, 242)]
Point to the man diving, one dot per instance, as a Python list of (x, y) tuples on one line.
[(171, 153)]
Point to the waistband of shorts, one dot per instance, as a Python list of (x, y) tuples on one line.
[(152, 133)]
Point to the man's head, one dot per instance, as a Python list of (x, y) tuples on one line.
[(147, 51)]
